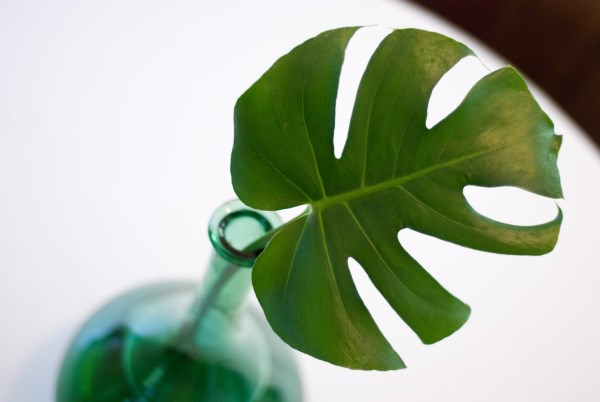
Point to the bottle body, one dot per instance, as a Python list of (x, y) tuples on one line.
[(180, 342)]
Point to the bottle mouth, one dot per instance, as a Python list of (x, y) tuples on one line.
[(234, 227)]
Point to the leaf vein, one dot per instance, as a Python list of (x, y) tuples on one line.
[(289, 273), (332, 273), (310, 144), (384, 262), (277, 169), (368, 125), (470, 228), (400, 143), (445, 144)]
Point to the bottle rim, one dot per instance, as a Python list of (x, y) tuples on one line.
[(228, 213)]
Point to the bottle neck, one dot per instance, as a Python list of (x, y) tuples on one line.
[(225, 287), (227, 281)]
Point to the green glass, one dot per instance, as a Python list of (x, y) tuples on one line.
[(180, 342)]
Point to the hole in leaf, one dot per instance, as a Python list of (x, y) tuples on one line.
[(359, 51), (452, 266), (452, 89), (511, 205), (388, 321)]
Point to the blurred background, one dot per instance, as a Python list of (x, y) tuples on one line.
[(555, 42)]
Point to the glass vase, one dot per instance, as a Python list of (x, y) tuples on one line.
[(179, 342)]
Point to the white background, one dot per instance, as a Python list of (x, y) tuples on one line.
[(115, 133)]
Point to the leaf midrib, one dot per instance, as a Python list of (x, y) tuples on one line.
[(362, 192)]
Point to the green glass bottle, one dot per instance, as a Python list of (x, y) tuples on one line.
[(177, 342)]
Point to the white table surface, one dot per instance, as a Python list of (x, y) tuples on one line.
[(115, 133)]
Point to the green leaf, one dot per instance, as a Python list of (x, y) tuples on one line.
[(394, 173)]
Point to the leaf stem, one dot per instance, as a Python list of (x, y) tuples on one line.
[(258, 245)]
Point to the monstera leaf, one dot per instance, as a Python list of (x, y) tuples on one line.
[(394, 173)]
